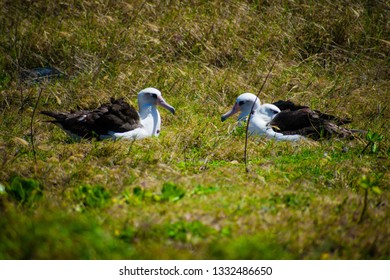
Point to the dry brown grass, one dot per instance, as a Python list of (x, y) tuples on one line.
[(298, 201)]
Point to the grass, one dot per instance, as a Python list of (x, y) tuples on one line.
[(186, 195)]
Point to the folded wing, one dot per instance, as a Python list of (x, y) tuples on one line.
[(307, 122), (116, 116)]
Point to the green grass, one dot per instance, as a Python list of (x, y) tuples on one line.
[(186, 195)]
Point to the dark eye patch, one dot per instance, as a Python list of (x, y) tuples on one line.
[(154, 95), (241, 103)]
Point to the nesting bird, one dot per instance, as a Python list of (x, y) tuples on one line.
[(115, 120), (283, 120)]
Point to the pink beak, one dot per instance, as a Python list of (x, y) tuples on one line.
[(163, 103), (234, 110)]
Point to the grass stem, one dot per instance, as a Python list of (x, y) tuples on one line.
[(249, 117), (364, 206), (31, 124)]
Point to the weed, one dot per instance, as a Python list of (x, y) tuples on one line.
[(169, 193), (95, 196), (203, 190), (373, 139), (25, 190), (369, 184), (188, 231)]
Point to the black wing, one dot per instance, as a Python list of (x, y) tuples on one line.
[(309, 123), (117, 116), (288, 105), (291, 106)]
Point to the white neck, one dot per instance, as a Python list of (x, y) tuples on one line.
[(258, 122), (150, 119)]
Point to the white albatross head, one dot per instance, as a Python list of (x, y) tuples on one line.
[(244, 104), (152, 97), (268, 111)]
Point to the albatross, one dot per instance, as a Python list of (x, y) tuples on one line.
[(117, 119), (284, 120)]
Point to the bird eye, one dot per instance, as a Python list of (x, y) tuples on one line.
[(154, 95), (241, 103)]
